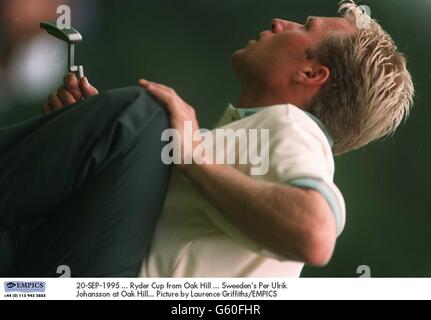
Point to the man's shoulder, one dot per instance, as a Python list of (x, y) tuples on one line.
[(281, 119)]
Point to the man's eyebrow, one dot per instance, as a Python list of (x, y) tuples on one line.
[(309, 22)]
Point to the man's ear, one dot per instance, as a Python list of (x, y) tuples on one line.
[(312, 75)]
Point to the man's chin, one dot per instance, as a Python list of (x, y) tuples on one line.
[(239, 53), (246, 48), (239, 62), (236, 56)]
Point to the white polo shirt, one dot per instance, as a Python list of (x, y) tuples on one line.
[(192, 239)]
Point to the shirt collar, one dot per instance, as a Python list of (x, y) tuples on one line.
[(234, 114), (323, 128), (244, 112)]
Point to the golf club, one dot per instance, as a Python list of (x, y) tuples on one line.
[(70, 36)]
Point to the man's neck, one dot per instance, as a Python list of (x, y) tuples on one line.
[(254, 98), (249, 101)]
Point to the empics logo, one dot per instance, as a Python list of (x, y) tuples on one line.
[(10, 285), (24, 286)]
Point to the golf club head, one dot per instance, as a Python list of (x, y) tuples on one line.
[(68, 35)]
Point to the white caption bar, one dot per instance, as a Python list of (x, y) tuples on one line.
[(214, 289)]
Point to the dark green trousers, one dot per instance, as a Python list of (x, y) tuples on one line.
[(83, 187)]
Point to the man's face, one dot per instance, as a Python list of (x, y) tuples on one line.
[(281, 51)]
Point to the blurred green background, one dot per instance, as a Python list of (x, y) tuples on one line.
[(187, 44)]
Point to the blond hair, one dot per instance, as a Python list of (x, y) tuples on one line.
[(370, 90)]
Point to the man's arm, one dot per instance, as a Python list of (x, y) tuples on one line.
[(294, 223)]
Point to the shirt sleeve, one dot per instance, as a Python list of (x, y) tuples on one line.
[(300, 156), (329, 192)]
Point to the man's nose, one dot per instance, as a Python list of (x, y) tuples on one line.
[(279, 25)]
